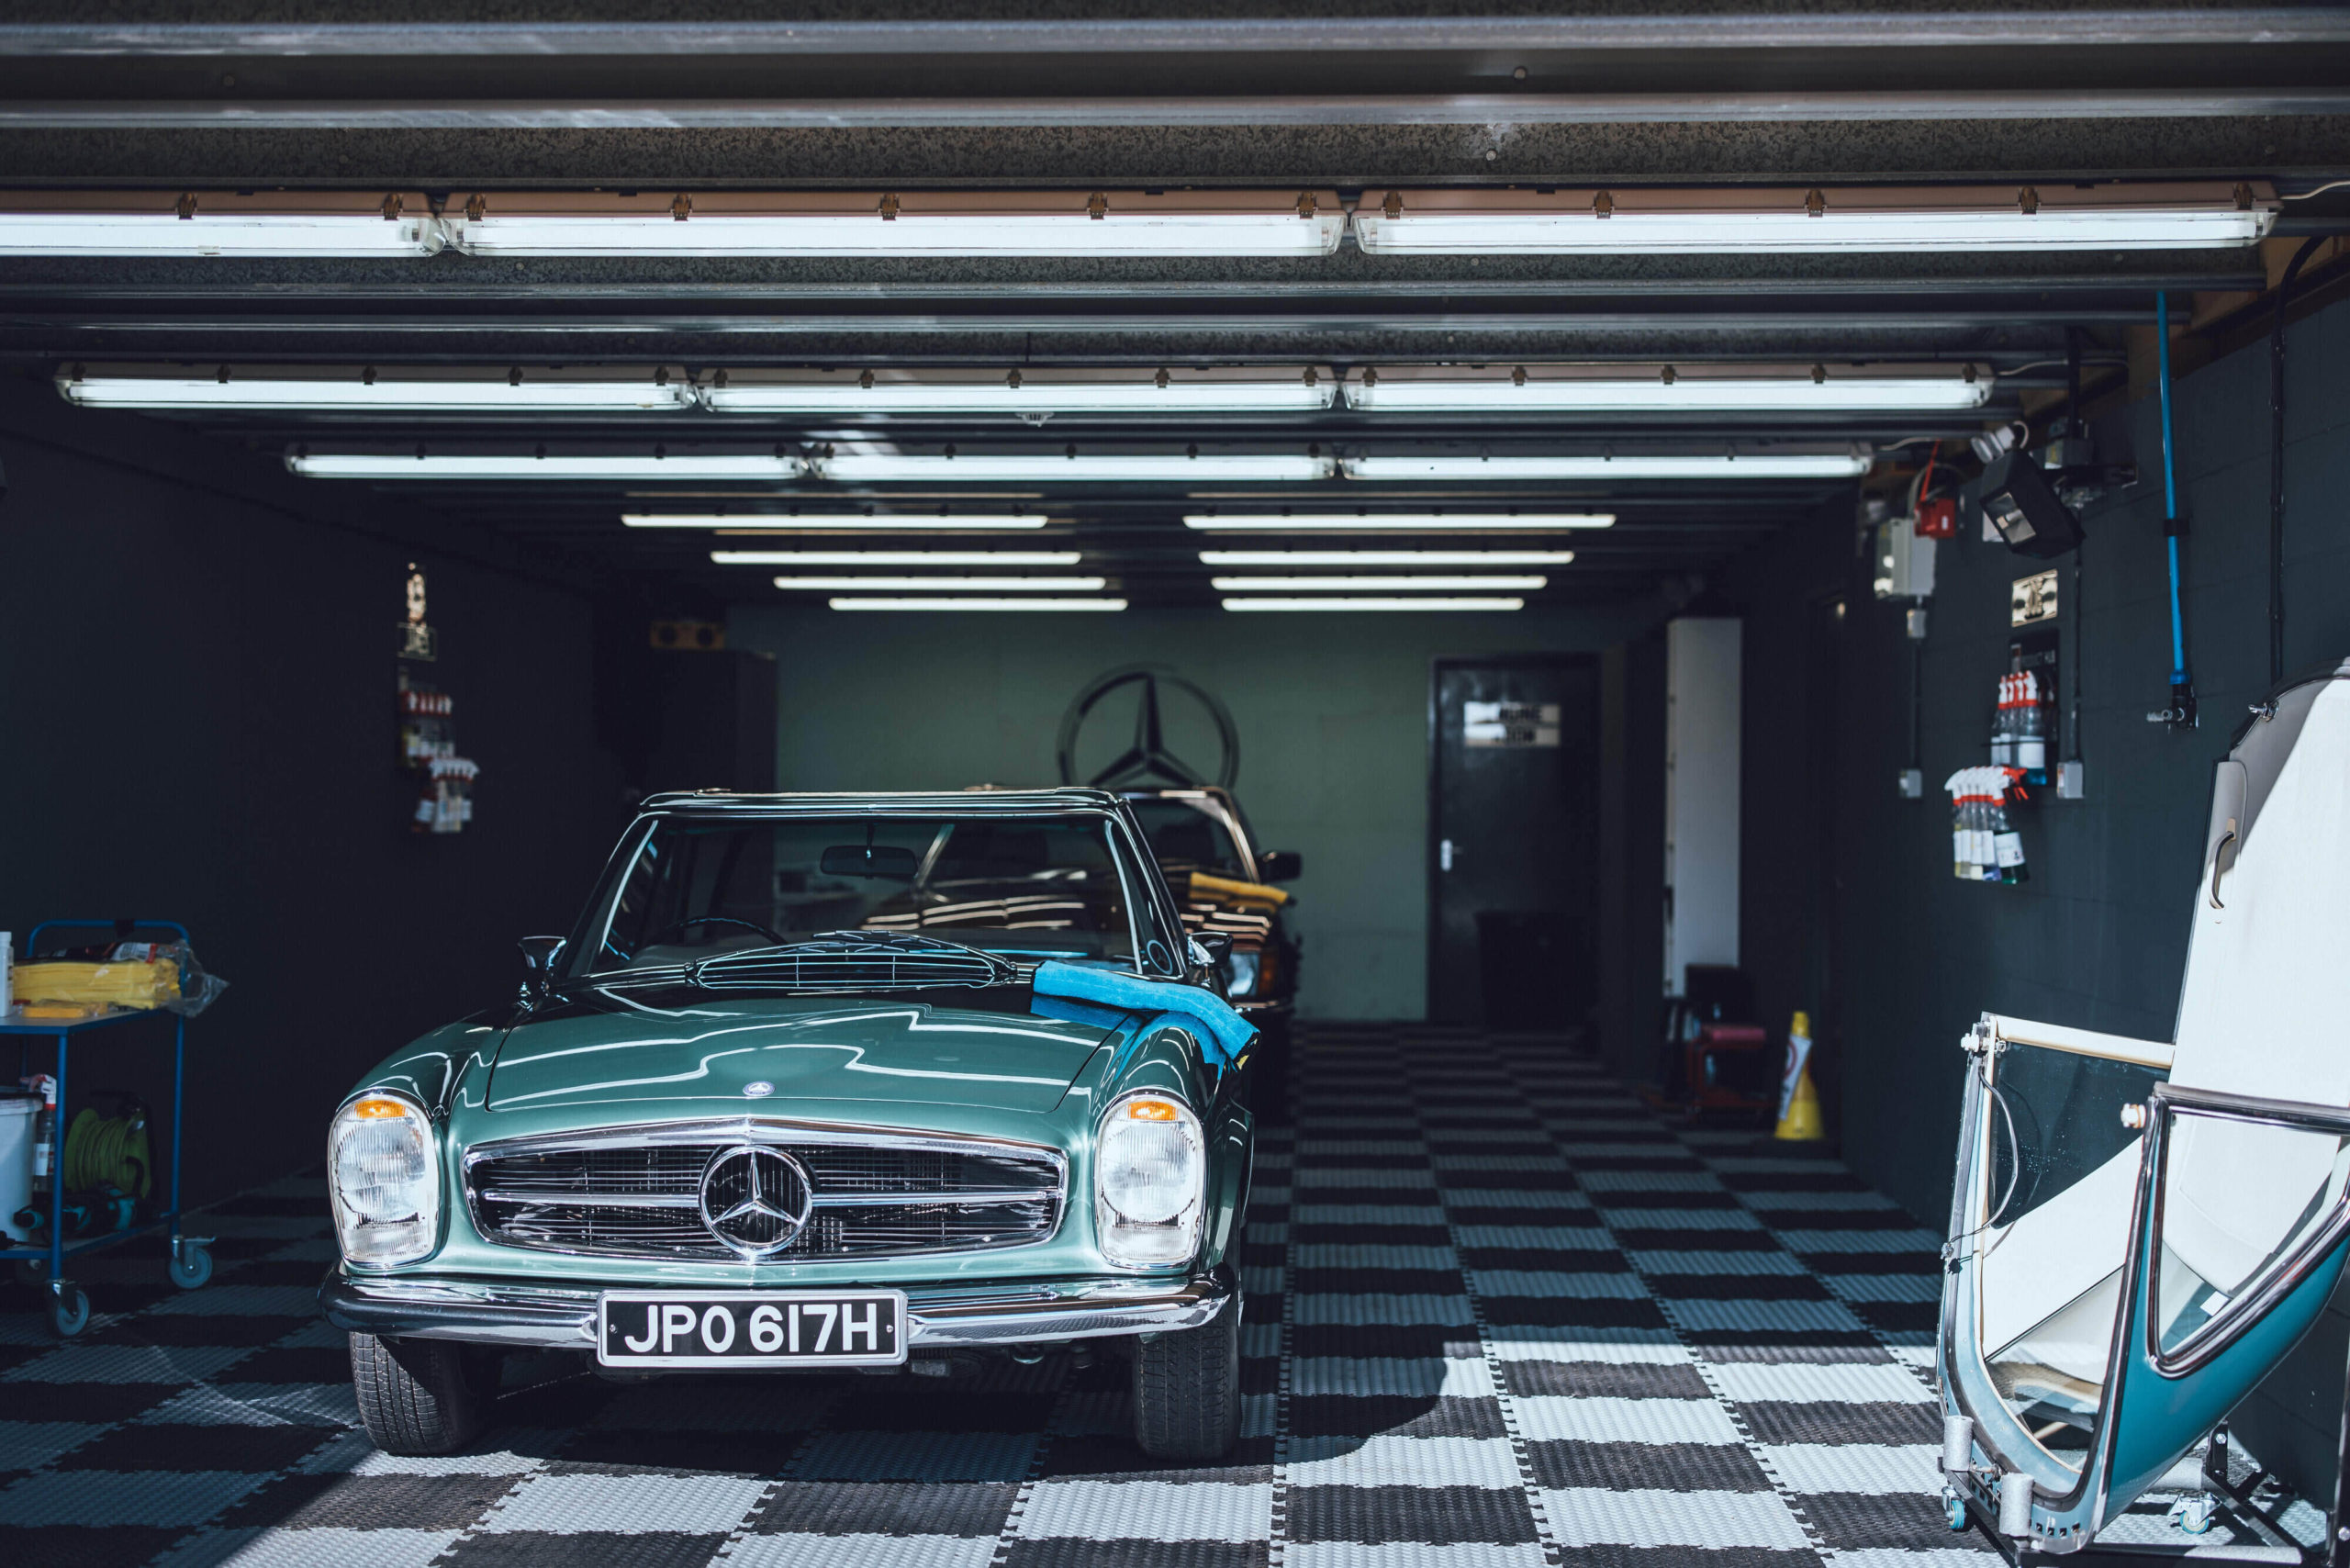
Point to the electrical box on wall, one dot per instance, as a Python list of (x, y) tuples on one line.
[(1905, 562)]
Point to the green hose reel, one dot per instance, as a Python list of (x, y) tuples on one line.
[(110, 1153)]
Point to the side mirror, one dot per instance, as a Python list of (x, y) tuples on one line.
[(539, 956), (1212, 947), (1281, 864)]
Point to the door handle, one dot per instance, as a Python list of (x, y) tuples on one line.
[(2217, 850)]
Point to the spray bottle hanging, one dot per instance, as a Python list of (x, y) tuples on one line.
[(1984, 846), (2022, 722)]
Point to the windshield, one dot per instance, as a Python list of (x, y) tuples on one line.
[(1189, 834), (1027, 887)]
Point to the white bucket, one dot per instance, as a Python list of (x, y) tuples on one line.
[(18, 1113)]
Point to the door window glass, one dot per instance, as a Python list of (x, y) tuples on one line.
[(2241, 1201)]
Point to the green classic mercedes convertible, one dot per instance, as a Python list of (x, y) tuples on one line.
[(886, 1082)]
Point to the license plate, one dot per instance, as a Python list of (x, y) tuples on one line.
[(751, 1328)]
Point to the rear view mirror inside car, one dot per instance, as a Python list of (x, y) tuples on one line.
[(869, 860)]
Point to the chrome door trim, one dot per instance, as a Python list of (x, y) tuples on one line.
[(2229, 1324)]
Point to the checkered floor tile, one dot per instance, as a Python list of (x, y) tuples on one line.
[(1493, 1306)]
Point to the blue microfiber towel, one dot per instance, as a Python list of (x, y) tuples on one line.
[(1211, 1017)]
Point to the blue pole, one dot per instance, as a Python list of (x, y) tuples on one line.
[(2170, 493)]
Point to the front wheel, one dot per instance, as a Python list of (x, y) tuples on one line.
[(422, 1396), (1187, 1390)]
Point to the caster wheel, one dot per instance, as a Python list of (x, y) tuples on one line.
[(191, 1265), (1953, 1509), (69, 1309)]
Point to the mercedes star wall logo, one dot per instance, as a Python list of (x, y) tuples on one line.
[(1148, 759), (755, 1199)]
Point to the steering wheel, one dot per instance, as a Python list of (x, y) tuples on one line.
[(675, 926)]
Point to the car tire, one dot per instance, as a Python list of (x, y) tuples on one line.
[(1187, 1390), (422, 1396)]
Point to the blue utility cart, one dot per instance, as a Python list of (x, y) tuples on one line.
[(191, 1259)]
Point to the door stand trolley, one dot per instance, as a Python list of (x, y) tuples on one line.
[(2142, 1230), (191, 1261)]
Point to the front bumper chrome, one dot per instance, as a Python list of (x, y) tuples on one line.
[(496, 1312)]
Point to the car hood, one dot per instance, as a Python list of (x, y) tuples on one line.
[(698, 1056)]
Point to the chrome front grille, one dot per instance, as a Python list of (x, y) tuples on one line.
[(636, 1193)]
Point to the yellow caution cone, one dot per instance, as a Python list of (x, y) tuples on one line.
[(1799, 1119)]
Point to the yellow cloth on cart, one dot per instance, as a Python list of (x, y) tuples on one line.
[(131, 983)]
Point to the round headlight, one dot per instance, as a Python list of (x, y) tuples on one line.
[(381, 1178), (1150, 1168)]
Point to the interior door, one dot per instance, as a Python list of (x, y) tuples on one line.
[(1512, 804)]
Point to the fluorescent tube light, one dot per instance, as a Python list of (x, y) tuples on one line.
[(913, 223), (353, 391), (843, 522), (1024, 394), (1386, 557), (1286, 604), (894, 557), (209, 223), (1399, 521), (1761, 466), (1077, 604), (553, 466), (1465, 583), (1969, 218), (945, 584), (895, 467), (1549, 390)]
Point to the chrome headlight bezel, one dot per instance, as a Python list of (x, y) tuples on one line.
[(1147, 1242), (388, 1224)]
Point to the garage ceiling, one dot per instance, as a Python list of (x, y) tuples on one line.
[(451, 99)]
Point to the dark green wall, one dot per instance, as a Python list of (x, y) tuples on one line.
[(2097, 937), (197, 667), (1332, 711)]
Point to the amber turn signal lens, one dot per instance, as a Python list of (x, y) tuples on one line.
[(1150, 1111), (379, 1110)]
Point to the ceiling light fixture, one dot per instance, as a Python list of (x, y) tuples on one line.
[(1464, 583), (835, 522), (1400, 522), (1760, 465), (1022, 393), (1386, 557), (982, 604), (1167, 469), (912, 223), (1553, 389), (945, 584), (2115, 217), (364, 391), (1376, 604), (215, 223), (895, 557), (398, 466)]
